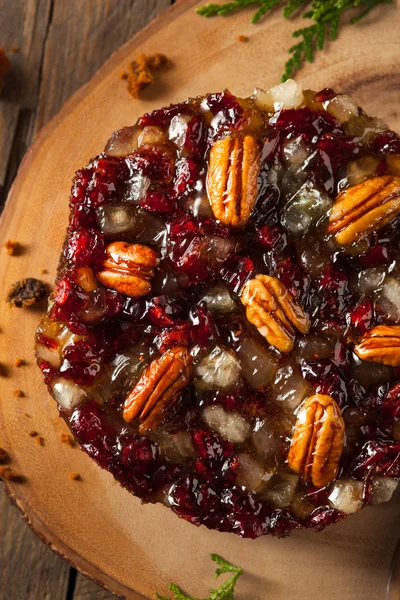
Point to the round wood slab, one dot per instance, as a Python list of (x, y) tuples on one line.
[(136, 550)]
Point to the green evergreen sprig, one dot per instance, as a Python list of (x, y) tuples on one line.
[(225, 590), (325, 16)]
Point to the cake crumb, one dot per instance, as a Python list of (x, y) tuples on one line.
[(14, 48), (9, 474), (33, 433), (19, 362), (27, 415), (67, 439), (26, 292), (5, 66), (43, 271), (18, 393), (3, 455), (141, 72), (13, 247), (243, 38), (40, 440), (75, 476)]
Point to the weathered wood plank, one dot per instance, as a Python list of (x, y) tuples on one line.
[(82, 35), (87, 590), (28, 569), (23, 23)]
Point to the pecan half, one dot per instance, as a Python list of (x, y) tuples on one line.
[(128, 268), (317, 441), (364, 208), (232, 178), (381, 344), (158, 388), (273, 310)]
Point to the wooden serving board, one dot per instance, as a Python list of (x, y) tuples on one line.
[(136, 550)]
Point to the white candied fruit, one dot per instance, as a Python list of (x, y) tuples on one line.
[(383, 489), (250, 473), (230, 425), (219, 300), (114, 219), (289, 387), (258, 364), (283, 96), (265, 442), (123, 142), (346, 496), (370, 279), (342, 107), (389, 298), (48, 354), (281, 489), (151, 135), (67, 393), (306, 207), (177, 129), (220, 369)]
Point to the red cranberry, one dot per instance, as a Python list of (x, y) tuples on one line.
[(49, 372), (324, 516), (163, 311), (324, 95), (154, 162), (115, 302), (85, 246), (195, 139), (379, 456), (89, 423), (307, 122), (237, 271), (179, 335), (272, 237), (228, 106), (282, 522), (387, 142), (162, 117), (161, 201), (203, 331), (391, 402), (361, 316), (187, 176)]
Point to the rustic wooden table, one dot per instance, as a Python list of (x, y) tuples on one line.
[(61, 44)]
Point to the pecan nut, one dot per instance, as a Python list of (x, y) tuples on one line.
[(232, 178), (381, 344), (364, 208), (318, 440), (158, 388), (128, 268), (273, 310)]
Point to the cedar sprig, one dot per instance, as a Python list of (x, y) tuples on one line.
[(325, 16), (225, 590)]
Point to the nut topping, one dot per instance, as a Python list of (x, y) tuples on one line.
[(364, 208), (381, 344), (317, 441), (232, 179), (158, 388), (274, 311), (128, 268)]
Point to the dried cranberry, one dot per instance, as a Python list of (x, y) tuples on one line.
[(49, 372), (85, 246), (216, 458), (310, 124), (282, 522), (391, 402), (203, 331), (227, 105), (237, 271), (195, 138), (154, 162), (186, 177), (89, 423), (179, 335), (115, 302), (272, 237), (324, 95), (361, 316), (324, 516), (161, 201), (379, 456), (387, 142), (163, 311), (162, 117)]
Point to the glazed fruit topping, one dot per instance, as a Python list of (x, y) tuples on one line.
[(223, 335)]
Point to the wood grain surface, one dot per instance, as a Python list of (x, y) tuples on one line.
[(61, 44), (135, 549)]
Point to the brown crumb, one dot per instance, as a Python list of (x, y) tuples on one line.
[(43, 271), (26, 292), (13, 247), (40, 440), (75, 476), (243, 38), (141, 72), (19, 362), (33, 433), (18, 393), (9, 474), (14, 48), (27, 415), (65, 438), (5, 66), (3, 455)]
